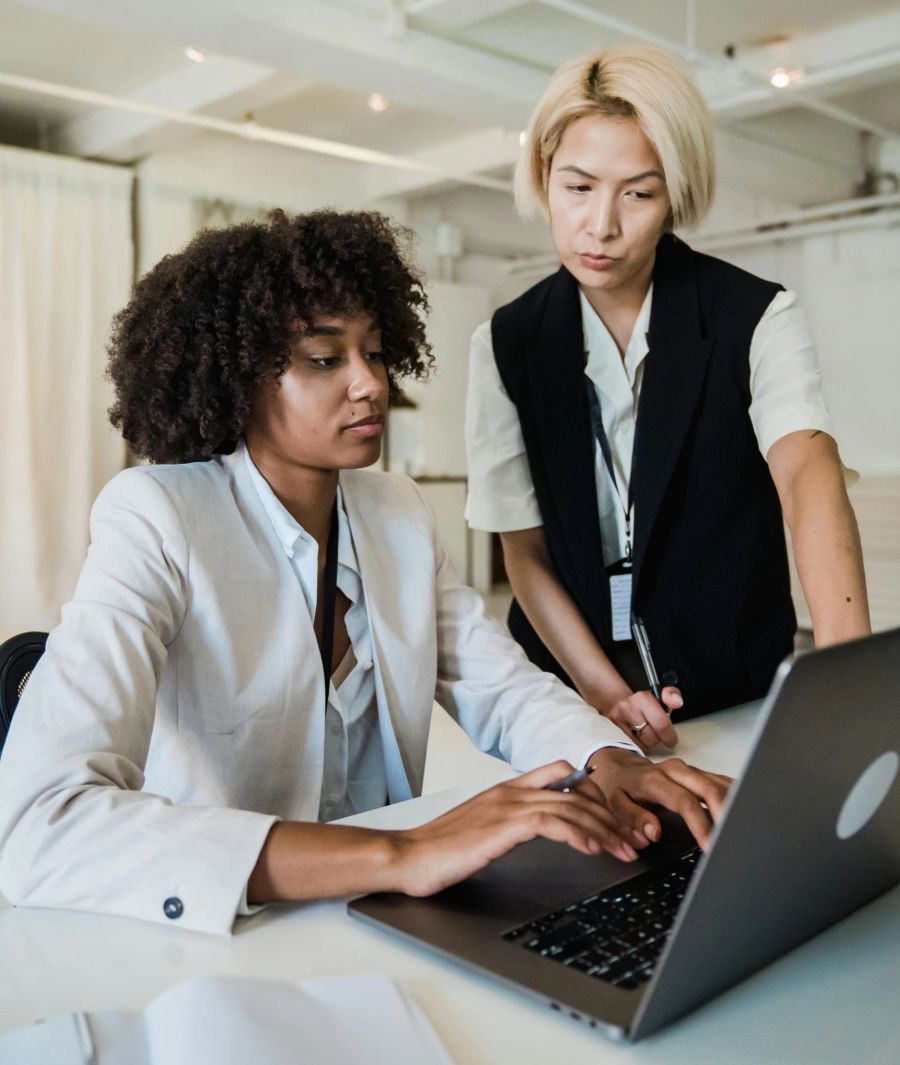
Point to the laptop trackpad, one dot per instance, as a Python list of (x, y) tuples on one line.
[(554, 874)]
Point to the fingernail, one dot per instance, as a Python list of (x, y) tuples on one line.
[(676, 701), (594, 846), (651, 831), (640, 840), (629, 852)]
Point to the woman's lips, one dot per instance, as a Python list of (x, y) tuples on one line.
[(596, 262), (367, 427)]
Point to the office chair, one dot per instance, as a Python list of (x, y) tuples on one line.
[(18, 657)]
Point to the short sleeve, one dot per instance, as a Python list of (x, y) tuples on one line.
[(785, 379), (501, 494)]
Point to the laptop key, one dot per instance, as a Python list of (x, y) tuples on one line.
[(616, 935)]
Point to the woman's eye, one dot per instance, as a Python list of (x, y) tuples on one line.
[(578, 188), (637, 195), (325, 362), (375, 356)]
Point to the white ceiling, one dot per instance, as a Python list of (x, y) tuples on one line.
[(459, 72)]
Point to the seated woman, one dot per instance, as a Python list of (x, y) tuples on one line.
[(177, 752)]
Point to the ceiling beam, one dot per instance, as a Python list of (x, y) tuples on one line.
[(111, 133), (331, 45), (458, 14), (829, 58), (854, 56), (249, 130)]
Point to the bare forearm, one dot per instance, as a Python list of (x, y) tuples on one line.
[(828, 555), (302, 861), (557, 621)]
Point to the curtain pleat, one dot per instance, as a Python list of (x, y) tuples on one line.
[(65, 269)]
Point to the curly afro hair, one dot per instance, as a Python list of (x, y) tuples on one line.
[(207, 327)]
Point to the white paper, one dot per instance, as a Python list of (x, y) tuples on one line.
[(226, 1020), (53, 1042)]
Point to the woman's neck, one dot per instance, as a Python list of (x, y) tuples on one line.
[(618, 308), (307, 493)]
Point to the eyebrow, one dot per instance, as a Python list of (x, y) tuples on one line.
[(323, 331), (627, 181), (333, 331)]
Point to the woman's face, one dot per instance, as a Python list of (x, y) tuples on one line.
[(327, 410), (608, 203)]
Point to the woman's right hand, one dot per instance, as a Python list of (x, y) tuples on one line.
[(472, 835), (632, 710)]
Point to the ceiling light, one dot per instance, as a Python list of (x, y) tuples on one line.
[(379, 103), (194, 54), (523, 138), (781, 77)]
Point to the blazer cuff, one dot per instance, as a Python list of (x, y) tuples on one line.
[(209, 890), (623, 745)]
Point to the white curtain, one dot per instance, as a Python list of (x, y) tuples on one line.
[(65, 268)]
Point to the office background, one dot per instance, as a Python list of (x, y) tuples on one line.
[(125, 128)]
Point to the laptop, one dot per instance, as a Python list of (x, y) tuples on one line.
[(630, 947)]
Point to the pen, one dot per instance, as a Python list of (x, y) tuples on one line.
[(568, 782), (643, 645), (85, 1042)]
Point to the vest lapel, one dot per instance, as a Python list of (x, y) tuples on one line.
[(563, 415), (673, 378)]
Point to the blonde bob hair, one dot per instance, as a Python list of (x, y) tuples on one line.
[(637, 82)]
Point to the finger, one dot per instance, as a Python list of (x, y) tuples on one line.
[(642, 730), (618, 717), (625, 717), (630, 830), (645, 703), (639, 821), (593, 823), (657, 786), (645, 736), (712, 789), (542, 776), (672, 698)]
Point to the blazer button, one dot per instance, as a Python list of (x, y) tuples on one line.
[(173, 908)]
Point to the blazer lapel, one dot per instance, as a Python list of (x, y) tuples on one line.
[(673, 379), (563, 414)]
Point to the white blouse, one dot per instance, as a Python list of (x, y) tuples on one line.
[(786, 395), (354, 778)]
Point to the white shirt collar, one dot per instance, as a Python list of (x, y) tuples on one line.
[(600, 346), (289, 531)]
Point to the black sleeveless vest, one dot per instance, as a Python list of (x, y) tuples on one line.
[(710, 567)]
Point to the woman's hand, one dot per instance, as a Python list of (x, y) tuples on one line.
[(643, 720), (630, 784), (470, 836)]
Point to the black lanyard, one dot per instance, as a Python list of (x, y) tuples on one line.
[(602, 439), (329, 591)]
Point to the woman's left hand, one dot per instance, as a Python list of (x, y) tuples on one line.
[(631, 783)]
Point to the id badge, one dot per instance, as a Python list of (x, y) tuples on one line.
[(620, 599)]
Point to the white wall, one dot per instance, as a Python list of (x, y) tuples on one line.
[(177, 187), (849, 284), (456, 310)]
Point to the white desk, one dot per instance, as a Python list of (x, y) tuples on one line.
[(834, 1000)]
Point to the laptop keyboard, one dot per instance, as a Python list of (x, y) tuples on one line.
[(618, 934)]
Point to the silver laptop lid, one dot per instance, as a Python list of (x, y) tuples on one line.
[(810, 833)]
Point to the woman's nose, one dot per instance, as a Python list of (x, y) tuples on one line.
[(368, 380), (604, 221)]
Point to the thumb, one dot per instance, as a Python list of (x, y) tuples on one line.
[(672, 698)]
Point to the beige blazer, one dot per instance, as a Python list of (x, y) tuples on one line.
[(177, 711)]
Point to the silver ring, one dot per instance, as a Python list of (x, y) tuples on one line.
[(636, 730)]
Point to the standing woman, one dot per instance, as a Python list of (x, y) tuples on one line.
[(645, 419)]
